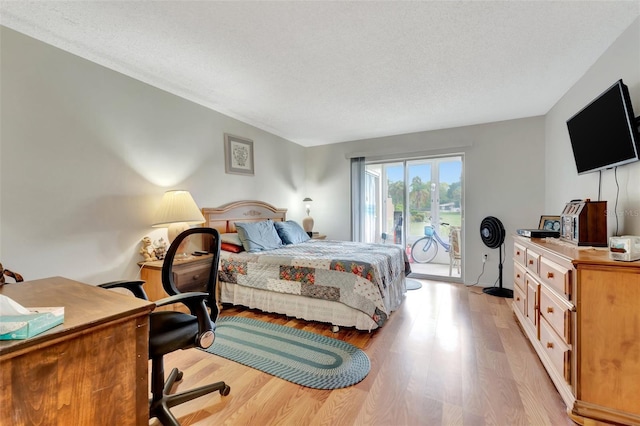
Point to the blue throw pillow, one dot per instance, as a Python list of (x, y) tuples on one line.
[(290, 232), (258, 236)]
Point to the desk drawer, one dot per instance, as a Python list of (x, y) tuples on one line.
[(557, 313), (192, 277), (556, 276), (557, 351), (519, 254), (533, 259)]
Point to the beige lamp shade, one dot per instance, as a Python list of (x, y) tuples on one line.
[(177, 211)]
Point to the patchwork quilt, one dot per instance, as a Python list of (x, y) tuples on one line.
[(356, 274)]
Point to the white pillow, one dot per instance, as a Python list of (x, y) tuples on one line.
[(231, 238)]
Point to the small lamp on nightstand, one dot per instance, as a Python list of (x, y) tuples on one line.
[(307, 222), (177, 211)]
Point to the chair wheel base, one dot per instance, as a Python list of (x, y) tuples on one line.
[(225, 390), (159, 406)]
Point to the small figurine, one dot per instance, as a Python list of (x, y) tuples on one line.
[(9, 273), (160, 248), (147, 250)]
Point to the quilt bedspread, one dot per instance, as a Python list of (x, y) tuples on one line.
[(356, 274)]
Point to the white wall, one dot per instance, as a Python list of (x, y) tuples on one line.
[(87, 154), (503, 176), (621, 60)]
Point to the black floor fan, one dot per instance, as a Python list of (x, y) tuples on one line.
[(492, 234)]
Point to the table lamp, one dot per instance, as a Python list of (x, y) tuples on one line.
[(307, 222), (177, 211)]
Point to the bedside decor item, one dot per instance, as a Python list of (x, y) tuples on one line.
[(177, 211), (160, 248), (147, 251), (238, 155), (307, 222)]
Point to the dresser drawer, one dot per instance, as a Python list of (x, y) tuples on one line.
[(556, 276), (533, 259), (192, 277), (557, 351), (557, 313), (518, 276), (533, 289), (519, 300), (519, 253)]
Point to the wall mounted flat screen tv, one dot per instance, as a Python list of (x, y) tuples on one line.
[(604, 134)]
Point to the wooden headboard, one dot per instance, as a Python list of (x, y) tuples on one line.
[(223, 218)]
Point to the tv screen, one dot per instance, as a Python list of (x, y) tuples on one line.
[(604, 134)]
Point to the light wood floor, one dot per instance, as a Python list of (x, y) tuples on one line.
[(450, 355)]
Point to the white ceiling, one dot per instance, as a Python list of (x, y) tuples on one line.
[(320, 72)]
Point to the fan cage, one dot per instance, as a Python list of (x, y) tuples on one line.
[(492, 232)]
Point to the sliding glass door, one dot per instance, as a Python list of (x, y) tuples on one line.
[(406, 199)]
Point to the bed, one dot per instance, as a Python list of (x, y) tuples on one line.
[(343, 283)]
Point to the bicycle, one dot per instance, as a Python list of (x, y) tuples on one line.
[(425, 249)]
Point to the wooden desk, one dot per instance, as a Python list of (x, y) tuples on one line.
[(90, 370)]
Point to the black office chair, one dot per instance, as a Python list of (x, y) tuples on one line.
[(173, 330)]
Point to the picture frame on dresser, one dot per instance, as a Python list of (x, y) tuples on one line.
[(238, 155), (549, 223)]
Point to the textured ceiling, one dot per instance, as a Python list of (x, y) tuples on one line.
[(319, 72)]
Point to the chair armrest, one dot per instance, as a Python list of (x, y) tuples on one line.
[(134, 287), (189, 299), (195, 301)]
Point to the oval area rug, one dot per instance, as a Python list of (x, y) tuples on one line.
[(413, 284), (298, 356)]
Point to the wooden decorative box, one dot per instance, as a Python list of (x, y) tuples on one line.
[(584, 223)]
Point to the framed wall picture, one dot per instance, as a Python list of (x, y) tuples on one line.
[(238, 155), (549, 223)]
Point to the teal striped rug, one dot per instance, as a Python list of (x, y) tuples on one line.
[(301, 357)]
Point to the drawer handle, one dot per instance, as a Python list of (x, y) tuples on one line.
[(195, 277), (549, 274), (530, 261), (550, 309), (518, 253), (517, 275), (517, 299), (550, 345)]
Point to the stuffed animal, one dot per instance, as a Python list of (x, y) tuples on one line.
[(147, 250), (9, 273)]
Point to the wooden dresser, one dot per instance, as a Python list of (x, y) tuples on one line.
[(581, 312)]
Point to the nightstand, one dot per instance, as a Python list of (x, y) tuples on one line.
[(317, 236), (190, 274)]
